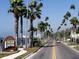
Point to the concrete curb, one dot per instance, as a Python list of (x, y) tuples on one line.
[(71, 48), (27, 56)]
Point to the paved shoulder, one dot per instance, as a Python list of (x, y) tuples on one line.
[(63, 52)]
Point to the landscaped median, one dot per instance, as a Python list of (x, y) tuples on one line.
[(3, 54), (29, 50)]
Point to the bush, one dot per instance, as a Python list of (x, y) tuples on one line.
[(36, 42)]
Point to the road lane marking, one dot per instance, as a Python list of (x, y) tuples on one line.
[(54, 51)]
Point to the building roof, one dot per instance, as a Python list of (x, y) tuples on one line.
[(8, 38)]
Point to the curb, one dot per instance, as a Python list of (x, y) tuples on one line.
[(27, 56)]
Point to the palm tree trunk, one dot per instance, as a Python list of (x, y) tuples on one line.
[(26, 33), (21, 30), (16, 29), (41, 34), (31, 32), (75, 31), (36, 32)]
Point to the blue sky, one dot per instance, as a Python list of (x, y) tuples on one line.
[(54, 9)]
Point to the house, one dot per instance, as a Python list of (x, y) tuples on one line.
[(9, 43), (74, 36)]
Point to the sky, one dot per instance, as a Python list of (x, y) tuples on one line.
[(54, 9)]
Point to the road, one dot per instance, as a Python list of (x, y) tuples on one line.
[(61, 51), (64, 52)]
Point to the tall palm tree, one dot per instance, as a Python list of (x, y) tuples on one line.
[(18, 8), (13, 9), (34, 11), (22, 10)]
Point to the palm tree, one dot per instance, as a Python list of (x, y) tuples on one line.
[(34, 11), (35, 30), (72, 6), (74, 21), (22, 10), (41, 27), (48, 33), (13, 9), (66, 17), (18, 8)]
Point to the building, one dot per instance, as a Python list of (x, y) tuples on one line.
[(74, 36), (9, 43)]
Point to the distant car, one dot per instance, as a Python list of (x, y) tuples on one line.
[(58, 41)]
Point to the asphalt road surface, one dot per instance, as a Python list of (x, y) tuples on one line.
[(62, 52)]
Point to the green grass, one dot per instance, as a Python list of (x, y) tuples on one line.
[(77, 47), (29, 50)]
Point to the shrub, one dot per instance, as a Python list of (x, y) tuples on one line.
[(36, 42)]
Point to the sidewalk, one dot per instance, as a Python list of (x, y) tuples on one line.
[(14, 55)]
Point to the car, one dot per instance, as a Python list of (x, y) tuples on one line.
[(58, 41)]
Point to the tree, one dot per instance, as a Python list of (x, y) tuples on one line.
[(18, 9), (74, 21), (42, 27), (34, 11), (35, 30), (48, 33), (21, 10), (72, 6), (14, 9)]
